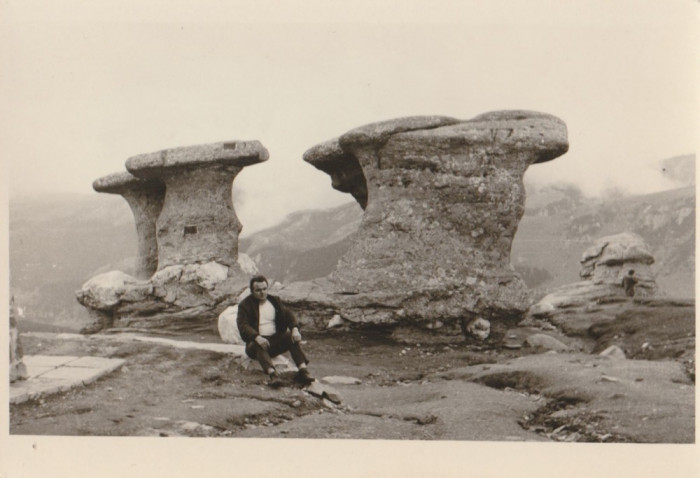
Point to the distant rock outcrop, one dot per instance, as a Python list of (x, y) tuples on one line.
[(181, 196), (603, 266), (444, 198)]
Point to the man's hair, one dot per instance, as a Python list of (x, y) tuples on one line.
[(258, 279), (631, 272)]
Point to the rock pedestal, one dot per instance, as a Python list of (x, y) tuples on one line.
[(195, 269), (612, 257), (444, 199), (602, 267), (198, 222), (145, 198)]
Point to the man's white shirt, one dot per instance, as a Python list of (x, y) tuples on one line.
[(267, 319)]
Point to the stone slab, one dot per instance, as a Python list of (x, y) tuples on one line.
[(52, 361), (223, 348), (46, 380)]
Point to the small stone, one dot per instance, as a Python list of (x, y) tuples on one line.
[(341, 380), (296, 404), (606, 378), (614, 352), (336, 321), (547, 342)]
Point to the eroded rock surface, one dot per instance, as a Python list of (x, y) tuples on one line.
[(443, 201), (145, 198), (603, 266), (188, 246)]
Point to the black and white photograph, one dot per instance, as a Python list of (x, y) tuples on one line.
[(372, 238)]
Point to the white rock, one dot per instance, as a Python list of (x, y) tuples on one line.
[(228, 329), (546, 341), (614, 352), (341, 380), (104, 290), (210, 274), (479, 328), (336, 321)]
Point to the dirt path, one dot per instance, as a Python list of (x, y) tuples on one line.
[(414, 392)]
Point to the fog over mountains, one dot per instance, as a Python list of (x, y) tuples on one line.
[(57, 242)]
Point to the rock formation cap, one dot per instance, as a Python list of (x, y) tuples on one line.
[(231, 153), (118, 183), (381, 131)]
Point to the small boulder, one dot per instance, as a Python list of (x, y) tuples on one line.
[(228, 328), (614, 352), (479, 329), (341, 380), (546, 342), (336, 321)]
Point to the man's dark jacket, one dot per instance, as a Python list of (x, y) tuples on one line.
[(248, 319)]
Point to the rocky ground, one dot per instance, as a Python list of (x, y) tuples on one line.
[(397, 387)]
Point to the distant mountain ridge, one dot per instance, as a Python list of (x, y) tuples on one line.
[(58, 242)]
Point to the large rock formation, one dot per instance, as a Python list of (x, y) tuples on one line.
[(194, 269), (603, 266), (443, 202), (145, 197)]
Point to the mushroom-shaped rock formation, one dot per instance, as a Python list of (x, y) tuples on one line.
[(612, 257), (444, 199), (602, 267), (199, 271), (198, 223), (145, 198)]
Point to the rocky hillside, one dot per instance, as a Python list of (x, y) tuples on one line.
[(58, 242)]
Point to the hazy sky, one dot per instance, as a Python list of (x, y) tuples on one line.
[(86, 85)]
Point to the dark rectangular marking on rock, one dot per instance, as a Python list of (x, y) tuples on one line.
[(230, 145), (190, 230)]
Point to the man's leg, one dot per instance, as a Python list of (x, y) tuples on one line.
[(281, 343), (256, 352)]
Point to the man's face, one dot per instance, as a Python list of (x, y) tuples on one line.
[(260, 291)]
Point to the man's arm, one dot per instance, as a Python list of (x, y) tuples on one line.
[(244, 320)]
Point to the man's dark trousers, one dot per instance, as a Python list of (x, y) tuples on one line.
[(279, 344)]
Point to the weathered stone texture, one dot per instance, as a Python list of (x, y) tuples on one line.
[(198, 222), (603, 266), (145, 198), (611, 257), (444, 199), (190, 243)]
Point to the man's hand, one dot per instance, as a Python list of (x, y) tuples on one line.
[(296, 335), (262, 341)]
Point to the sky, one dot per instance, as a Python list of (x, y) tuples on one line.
[(86, 85)]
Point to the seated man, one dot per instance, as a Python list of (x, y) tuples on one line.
[(270, 329)]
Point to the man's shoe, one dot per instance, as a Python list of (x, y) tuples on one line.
[(275, 380), (303, 377)]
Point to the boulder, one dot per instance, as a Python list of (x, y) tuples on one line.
[(479, 329), (546, 342), (228, 329), (614, 352)]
